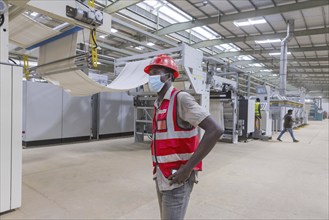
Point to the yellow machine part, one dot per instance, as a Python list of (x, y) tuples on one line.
[(26, 67), (93, 45)]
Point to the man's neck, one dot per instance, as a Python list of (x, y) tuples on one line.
[(163, 91)]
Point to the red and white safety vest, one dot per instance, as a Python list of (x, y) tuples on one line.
[(172, 146)]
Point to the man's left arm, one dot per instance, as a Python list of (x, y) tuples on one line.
[(212, 133)]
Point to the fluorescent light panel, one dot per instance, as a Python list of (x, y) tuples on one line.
[(267, 41), (113, 30), (150, 44), (140, 48), (256, 64), (34, 14), (277, 54), (249, 22)]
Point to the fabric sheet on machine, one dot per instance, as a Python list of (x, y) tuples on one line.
[(26, 32), (67, 75)]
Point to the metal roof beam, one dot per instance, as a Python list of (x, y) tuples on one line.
[(289, 67), (309, 83), (310, 78), (102, 45), (119, 5), (308, 74), (246, 62), (130, 39), (243, 15), (251, 52), (139, 30), (325, 80), (313, 84), (293, 73), (209, 43)]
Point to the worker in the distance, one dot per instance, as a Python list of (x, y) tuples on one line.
[(258, 114), (287, 126), (176, 150)]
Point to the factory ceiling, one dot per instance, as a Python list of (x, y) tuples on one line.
[(246, 34)]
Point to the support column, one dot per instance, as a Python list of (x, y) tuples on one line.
[(248, 89)]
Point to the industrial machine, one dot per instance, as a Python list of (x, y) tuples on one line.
[(246, 123), (279, 106), (315, 109), (11, 123), (224, 106), (11, 88), (300, 113)]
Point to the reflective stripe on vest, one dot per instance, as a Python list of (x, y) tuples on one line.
[(176, 134), (172, 158)]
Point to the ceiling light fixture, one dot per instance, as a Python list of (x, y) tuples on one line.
[(113, 30), (34, 14), (150, 44), (256, 64), (140, 48), (276, 54), (249, 22), (267, 41)]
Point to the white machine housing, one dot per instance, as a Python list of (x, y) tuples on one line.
[(10, 127), (11, 99)]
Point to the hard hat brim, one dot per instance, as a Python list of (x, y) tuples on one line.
[(148, 68)]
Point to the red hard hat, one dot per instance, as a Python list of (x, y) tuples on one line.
[(163, 60)]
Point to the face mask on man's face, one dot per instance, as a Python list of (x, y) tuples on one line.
[(155, 83)]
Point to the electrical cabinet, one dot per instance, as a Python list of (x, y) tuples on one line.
[(246, 118), (116, 114), (42, 111), (50, 115)]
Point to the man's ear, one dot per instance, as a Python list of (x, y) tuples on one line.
[(172, 77)]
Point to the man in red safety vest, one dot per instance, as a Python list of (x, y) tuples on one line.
[(176, 150)]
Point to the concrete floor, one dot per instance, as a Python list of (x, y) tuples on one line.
[(112, 179)]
